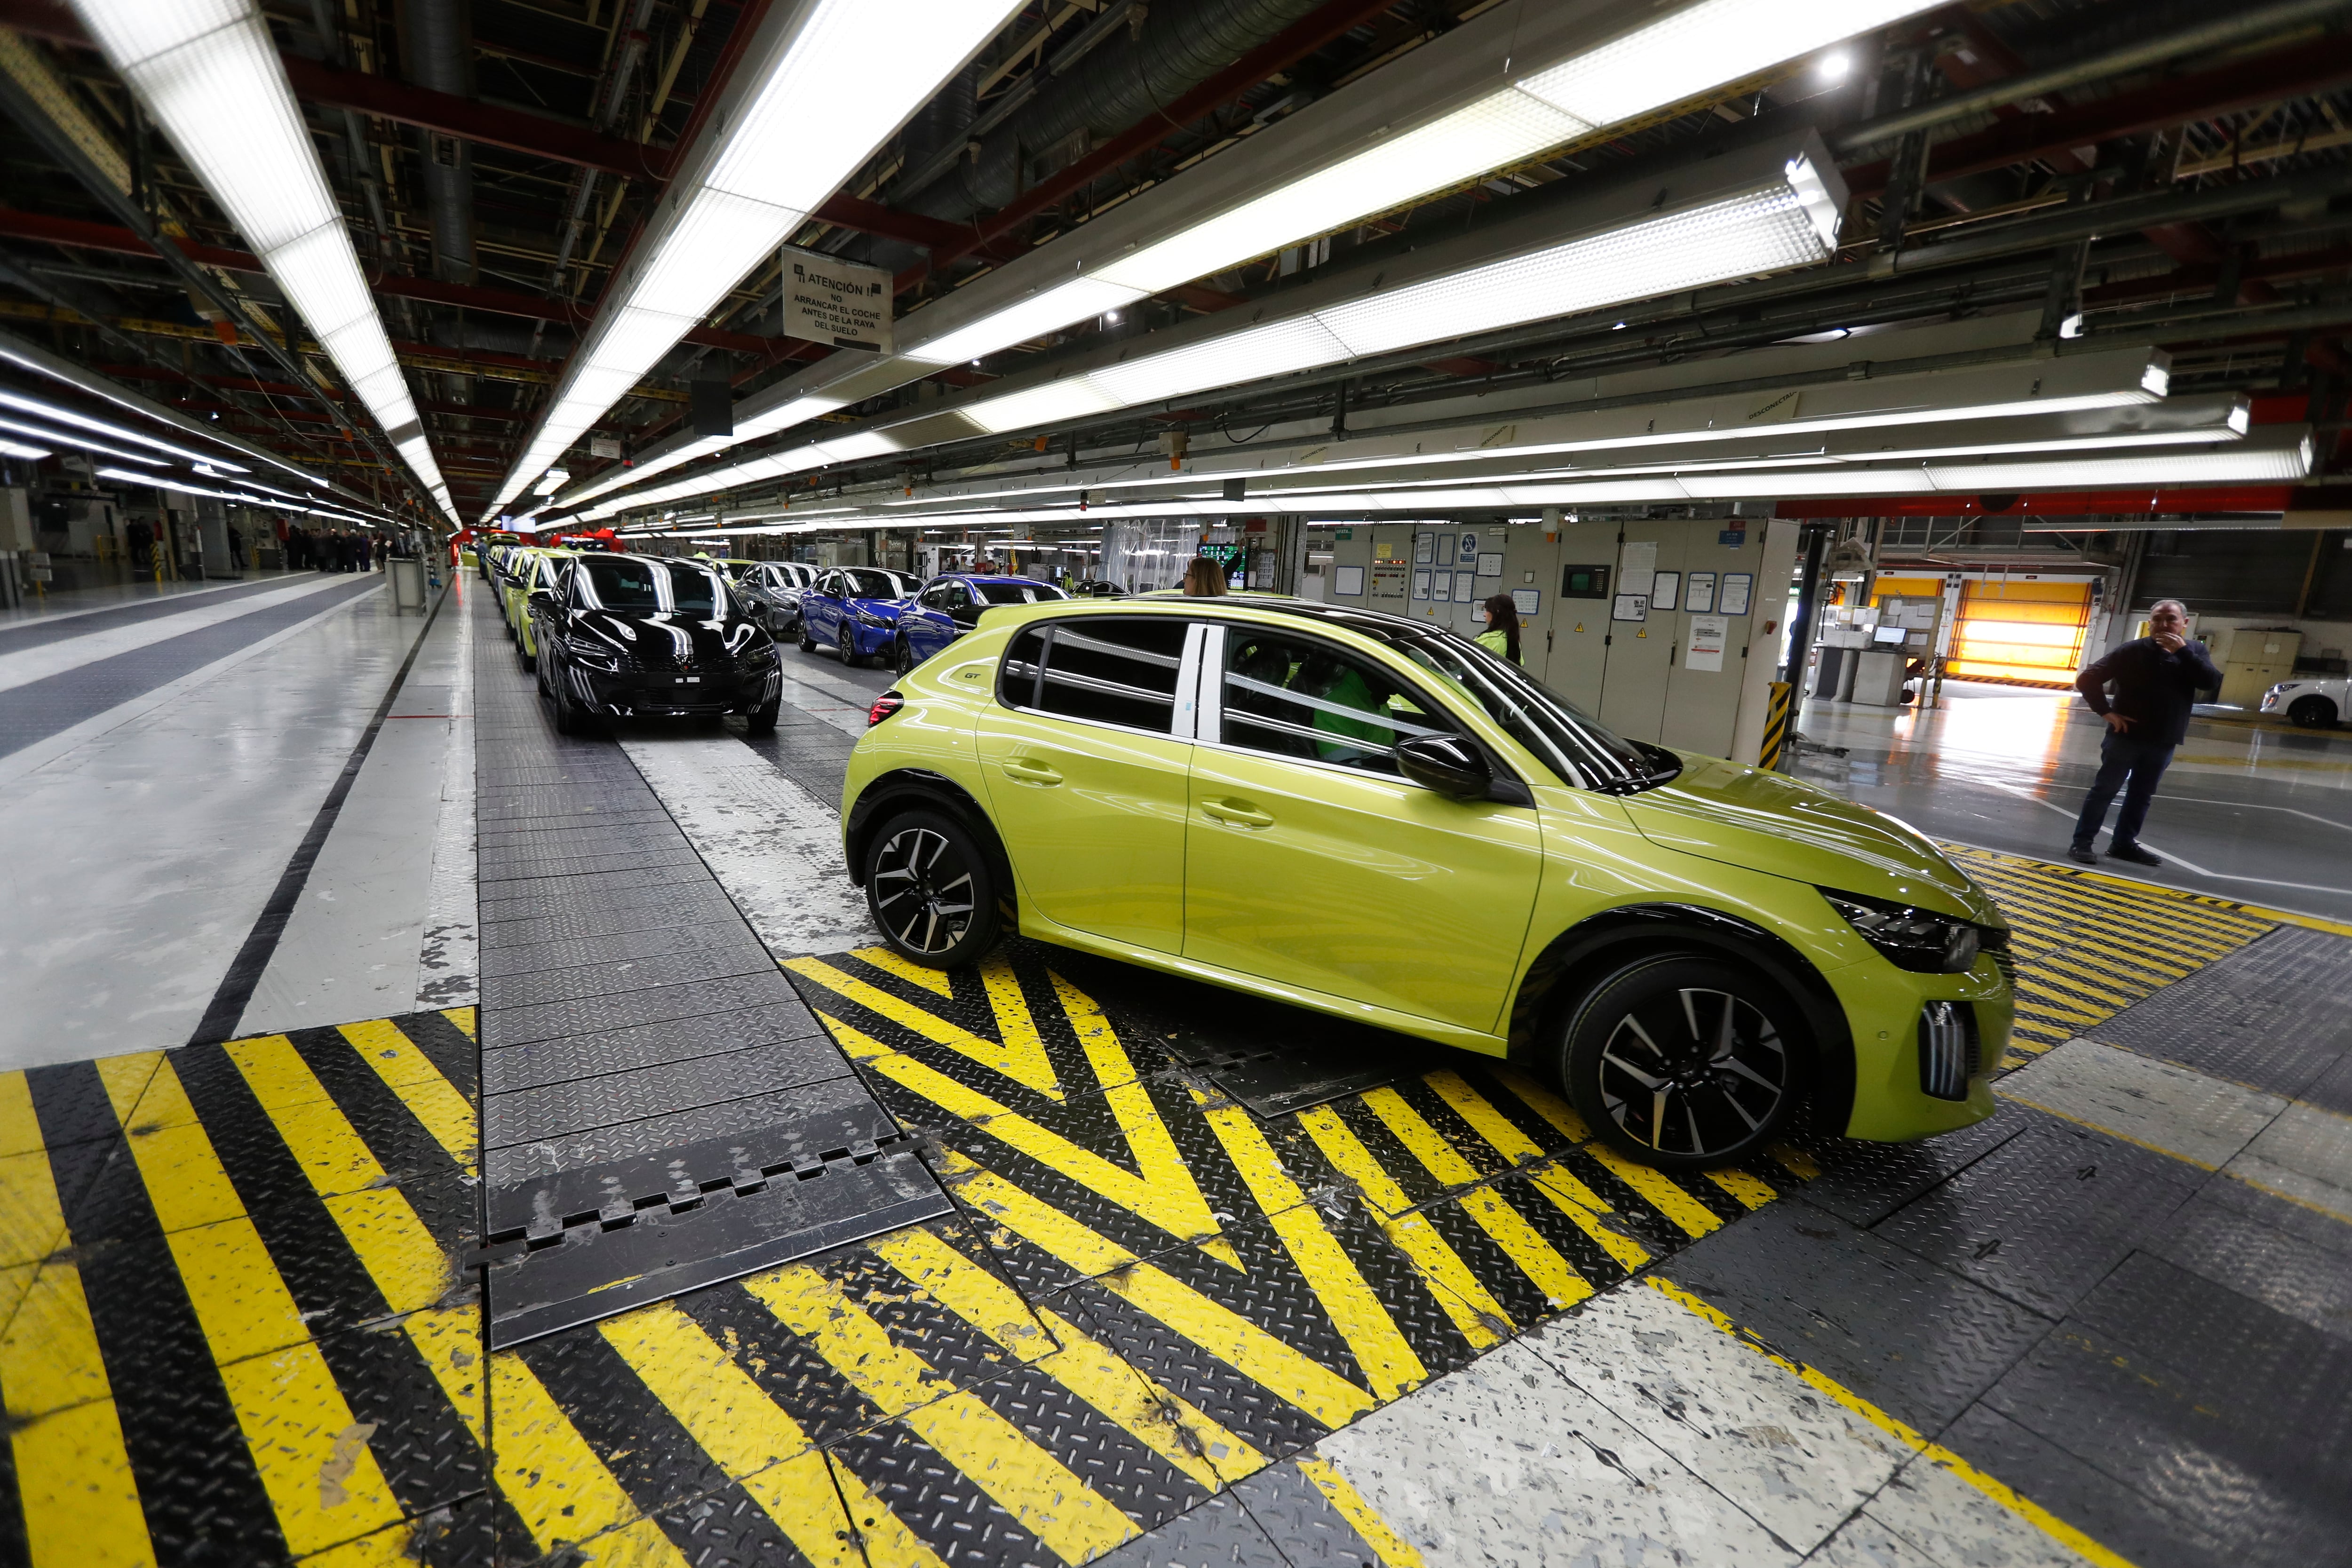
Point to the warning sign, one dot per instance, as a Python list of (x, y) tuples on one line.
[(829, 300)]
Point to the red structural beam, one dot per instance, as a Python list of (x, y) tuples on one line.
[(2320, 65), (2270, 498), (1301, 38), (512, 129)]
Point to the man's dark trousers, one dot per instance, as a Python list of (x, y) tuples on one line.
[(2121, 758)]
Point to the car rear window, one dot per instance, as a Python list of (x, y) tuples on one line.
[(1111, 672), (1016, 593)]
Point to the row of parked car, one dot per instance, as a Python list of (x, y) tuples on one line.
[(613, 635)]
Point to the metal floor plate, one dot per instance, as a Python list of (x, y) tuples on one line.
[(656, 1115)]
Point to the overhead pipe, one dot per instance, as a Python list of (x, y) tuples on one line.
[(2204, 37), (1132, 77), (439, 56)]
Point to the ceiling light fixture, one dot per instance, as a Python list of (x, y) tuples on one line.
[(814, 101), (209, 73), (83, 422), (1497, 90)]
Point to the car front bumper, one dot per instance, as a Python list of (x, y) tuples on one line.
[(667, 694), (1883, 1009)]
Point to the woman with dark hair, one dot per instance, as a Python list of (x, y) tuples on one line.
[(1502, 633), (1204, 578)]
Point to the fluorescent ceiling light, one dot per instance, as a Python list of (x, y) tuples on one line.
[(209, 73), (1050, 311), (838, 76), (550, 482), (1653, 65), (17, 449), (83, 444), (1782, 222), (82, 422)]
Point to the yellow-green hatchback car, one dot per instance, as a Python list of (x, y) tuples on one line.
[(1352, 811)]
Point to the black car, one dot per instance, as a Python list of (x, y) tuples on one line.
[(771, 593), (634, 636)]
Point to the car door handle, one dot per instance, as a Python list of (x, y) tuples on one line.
[(1029, 770), (1236, 813)]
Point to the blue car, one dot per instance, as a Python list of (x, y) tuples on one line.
[(853, 610), (951, 606)]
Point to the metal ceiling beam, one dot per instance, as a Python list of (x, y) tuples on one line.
[(1285, 48), (85, 236), (2321, 65)]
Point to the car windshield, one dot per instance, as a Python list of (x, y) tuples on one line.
[(1016, 593), (621, 583), (693, 591), (865, 583), (1576, 746)]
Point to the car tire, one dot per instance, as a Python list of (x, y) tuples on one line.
[(1643, 1056), (530, 659), (570, 718), (2312, 712), (930, 889), (761, 720), (848, 648), (808, 643), (902, 658)]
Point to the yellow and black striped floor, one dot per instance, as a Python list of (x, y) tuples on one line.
[(239, 1328)]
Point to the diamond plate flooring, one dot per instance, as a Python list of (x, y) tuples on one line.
[(609, 1179), (1423, 1321)]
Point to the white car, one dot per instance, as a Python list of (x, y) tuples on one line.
[(2315, 704)]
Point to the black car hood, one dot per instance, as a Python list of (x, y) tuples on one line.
[(667, 640)]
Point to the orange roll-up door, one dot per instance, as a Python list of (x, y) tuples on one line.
[(2026, 634)]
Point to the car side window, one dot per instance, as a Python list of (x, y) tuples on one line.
[(1300, 696), (1109, 671), (935, 597)]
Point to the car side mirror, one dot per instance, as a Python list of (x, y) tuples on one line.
[(543, 599), (1445, 763)]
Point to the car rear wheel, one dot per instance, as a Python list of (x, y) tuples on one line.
[(530, 659), (2312, 712), (1683, 1062), (931, 890)]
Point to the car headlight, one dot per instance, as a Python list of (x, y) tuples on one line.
[(1920, 940), (596, 657), (868, 618), (758, 655)]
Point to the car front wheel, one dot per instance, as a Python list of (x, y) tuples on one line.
[(849, 646), (903, 658), (2312, 712), (928, 886), (1683, 1062)]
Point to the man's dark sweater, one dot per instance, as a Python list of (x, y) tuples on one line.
[(2153, 688)]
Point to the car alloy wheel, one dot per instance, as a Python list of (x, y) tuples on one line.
[(849, 646), (808, 643), (904, 659), (2312, 712), (928, 886), (1682, 1062)]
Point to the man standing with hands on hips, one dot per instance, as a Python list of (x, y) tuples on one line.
[(2156, 678)]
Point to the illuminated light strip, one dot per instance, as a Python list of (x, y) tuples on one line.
[(1556, 86), (24, 405), (815, 109), (209, 74), (2273, 454), (80, 443), (17, 449)]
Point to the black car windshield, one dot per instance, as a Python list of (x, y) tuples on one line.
[(621, 583), (693, 591), (1575, 745), (865, 583), (1016, 593)]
